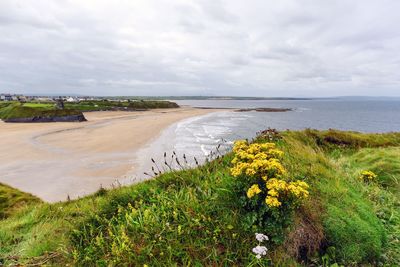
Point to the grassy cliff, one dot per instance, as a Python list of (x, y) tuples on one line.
[(194, 217), (12, 200), (116, 105), (30, 110), (16, 110)]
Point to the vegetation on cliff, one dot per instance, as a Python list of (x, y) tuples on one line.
[(16, 110), (12, 200), (31, 110), (210, 215), (117, 105)]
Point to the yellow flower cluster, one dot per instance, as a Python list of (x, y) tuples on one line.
[(253, 190), (272, 201), (257, 159), (261, 162), (280, 189), (368, 176)]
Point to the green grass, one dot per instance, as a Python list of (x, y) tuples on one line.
[(4, 104), (385, 162), (39, 105), (12, 110), (18, 110), (351, 227), (116, 105), (182, 219), (193, 217), (12, 200), (384, 192)]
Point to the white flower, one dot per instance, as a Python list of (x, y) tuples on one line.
[(261, 237), (260, 251), (258, 256)]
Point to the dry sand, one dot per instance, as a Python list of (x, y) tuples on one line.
[(56, 160)]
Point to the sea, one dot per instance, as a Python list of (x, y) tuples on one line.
[(204, 137)]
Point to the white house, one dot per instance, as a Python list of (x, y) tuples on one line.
[(6, 97)]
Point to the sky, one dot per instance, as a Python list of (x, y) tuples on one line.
[(293, 48)]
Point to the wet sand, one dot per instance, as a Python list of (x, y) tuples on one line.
[(57, 160)]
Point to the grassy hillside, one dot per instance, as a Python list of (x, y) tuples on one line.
[(12, 200), (116, 105), (13, 110), (29, 110), (197, 217)]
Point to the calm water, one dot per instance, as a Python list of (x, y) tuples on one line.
[(198, 136), (365, 116)]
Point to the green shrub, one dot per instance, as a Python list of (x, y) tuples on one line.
[(268, 201)]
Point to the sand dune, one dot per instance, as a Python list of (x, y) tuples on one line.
[(56, 160)]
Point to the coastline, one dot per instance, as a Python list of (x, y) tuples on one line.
[(54, 161), (166, 142)]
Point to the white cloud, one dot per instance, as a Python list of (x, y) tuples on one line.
[(145, 47)]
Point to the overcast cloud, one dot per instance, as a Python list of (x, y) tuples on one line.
[(183, 47)]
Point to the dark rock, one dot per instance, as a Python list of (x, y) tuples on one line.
[(264, 109)]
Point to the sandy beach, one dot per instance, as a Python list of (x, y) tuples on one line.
[(57, 160)]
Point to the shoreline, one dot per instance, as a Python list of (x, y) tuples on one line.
[(54, 161), (164, 142)]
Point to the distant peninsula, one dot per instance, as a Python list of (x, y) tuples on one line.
[(38, 112), (58, 110)]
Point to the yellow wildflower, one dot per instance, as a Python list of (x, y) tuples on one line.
[(276, 184), (253, 190), (273, 193), (272, 201), (261, 162), (239, 145), (299, 189), (368, 176)]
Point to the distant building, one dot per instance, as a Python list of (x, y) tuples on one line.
[(44, 99), (71, 99), (22, 98), (6, 97)]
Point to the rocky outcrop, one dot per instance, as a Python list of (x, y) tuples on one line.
[(264, 109), (69, 118)]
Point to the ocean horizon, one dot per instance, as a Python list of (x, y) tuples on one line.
[(199, 136)]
